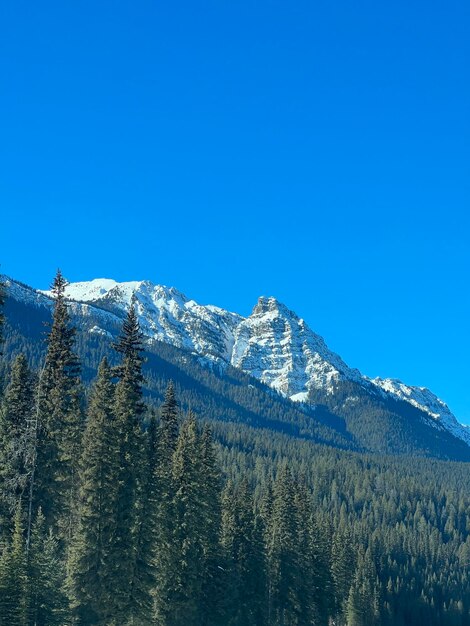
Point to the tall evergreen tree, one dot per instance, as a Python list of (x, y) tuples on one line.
[(91, 566), (212, 572), (167, 441), (130, 346), (354, 606), (169, 427), (284, 559), (13, 591), (60, 418), (266, 506), (320, 554), (128, 411), (314, 568), (2, 316), (342, 563), (244, 549), (179, 591), (15, 443), (143, 581), (47, 601)]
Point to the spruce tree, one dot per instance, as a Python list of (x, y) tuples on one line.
[(91, 565), (245, 560), (15, 443), (313, 578), (211, 570), (266, 506), (369, 588), (143, 581), (284, 559), (167, 440), (320, 551), (179, 590), (128, 411), (13, 590), (60, 419), (130, 346), (169, 427), (342, 563), (354, 606), (47, 601), (2, 316)]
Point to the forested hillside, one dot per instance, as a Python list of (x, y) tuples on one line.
[(126, 498), (352, 414)]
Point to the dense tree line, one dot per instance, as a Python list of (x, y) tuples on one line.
[(116, 510)]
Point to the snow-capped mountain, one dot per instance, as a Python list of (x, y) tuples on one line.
[(165, 314), (426, 401), (272, 344)]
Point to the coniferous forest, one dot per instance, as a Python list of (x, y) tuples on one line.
[(118, 510)]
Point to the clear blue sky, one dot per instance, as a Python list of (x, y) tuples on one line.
[(315, 151)]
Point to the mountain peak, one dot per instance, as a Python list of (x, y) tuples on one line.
[(270, 304), (168, 293)]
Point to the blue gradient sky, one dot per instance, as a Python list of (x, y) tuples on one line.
[(315, 151)]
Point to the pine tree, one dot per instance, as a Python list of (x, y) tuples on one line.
[(320, 554), (266, 506), (13, 592), (167, 441), (144, 579), (169, 427), (369, 590), (342, 563), (312, 560), (130, 347), (91, 566), (47, 602), (284, 560), (60, 419), (179, 587), (244, 549), (130, 571), (2, 316), (354, 606), (15, 453), (212, 572)]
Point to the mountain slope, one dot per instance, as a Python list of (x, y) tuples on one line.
[(274, 346), (222, 394), (424, 400)]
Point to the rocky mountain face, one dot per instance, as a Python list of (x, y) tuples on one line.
[(272, 344)]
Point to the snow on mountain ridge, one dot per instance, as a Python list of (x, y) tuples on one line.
[(90, 290), (425, 400), (272, 344), (165, 314)]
